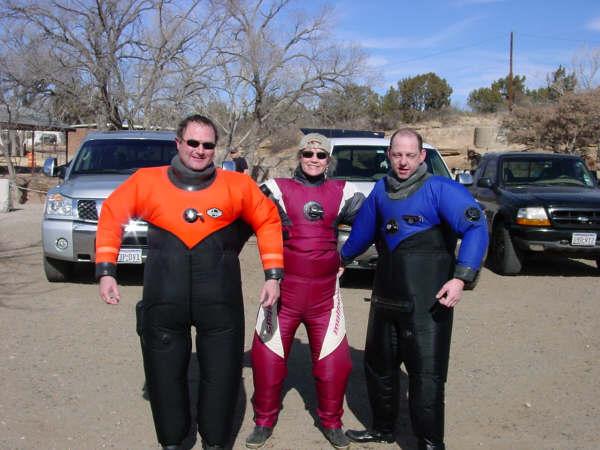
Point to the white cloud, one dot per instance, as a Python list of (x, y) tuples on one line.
[(377, 61), (406, 42), (594, 24)]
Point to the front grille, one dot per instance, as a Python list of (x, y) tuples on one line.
[(575, 218), (87, 210)]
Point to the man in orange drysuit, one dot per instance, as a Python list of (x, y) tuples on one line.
[(192, 277)]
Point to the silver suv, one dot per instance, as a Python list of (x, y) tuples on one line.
[(103, 162), (362, 161)]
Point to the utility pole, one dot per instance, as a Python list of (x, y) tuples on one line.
[(510, 76)]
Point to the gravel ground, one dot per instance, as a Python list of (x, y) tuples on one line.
[(524, 369)]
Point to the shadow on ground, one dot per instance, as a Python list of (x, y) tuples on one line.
[(300, 379), (555, 266)]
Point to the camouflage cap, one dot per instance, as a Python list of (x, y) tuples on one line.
[(315, 140)]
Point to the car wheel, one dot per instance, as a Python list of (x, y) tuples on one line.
[(505, 258), (57, 271), (598, 263)]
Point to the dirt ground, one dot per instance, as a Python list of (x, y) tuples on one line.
[(524, 369)]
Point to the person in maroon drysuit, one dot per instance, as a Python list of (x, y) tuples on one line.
[(311, 207)]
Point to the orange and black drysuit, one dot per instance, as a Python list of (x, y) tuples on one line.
[(192, 278)]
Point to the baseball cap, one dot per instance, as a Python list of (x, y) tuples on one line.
[(315, 140)]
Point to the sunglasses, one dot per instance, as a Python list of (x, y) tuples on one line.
[(308, 154), (195, 144)]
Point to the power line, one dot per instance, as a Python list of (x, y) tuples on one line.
[(485, 41), (554, 38), (450, 50)]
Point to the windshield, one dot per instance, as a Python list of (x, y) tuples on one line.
[(550, 171), (368, 162), (122, 155)]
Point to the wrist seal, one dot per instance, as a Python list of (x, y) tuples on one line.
[(273, 274), (465, 273), (105, 269)]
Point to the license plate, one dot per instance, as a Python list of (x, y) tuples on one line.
[(583, 239), (130, 256)]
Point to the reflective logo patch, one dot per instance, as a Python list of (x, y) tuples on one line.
[(472, 214), (411, 220), (214, 212), (391, 227), (190, 215), (313, 211)]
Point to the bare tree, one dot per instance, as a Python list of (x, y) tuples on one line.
[(567, 126), (129, 53), (10, 101), (586, 64), (272, 62)]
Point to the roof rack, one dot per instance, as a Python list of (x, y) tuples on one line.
[(341, 133)]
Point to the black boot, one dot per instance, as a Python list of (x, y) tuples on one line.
[(426, 444), (370, 436), (171, 447), (258, 437), (336, 437)]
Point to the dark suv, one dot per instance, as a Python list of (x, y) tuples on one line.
[(538, 203)]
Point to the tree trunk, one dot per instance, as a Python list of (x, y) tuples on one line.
[(12, 176)]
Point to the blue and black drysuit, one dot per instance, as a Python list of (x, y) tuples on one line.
[(416, 238)]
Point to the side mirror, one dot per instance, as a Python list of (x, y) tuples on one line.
[(485, 183), (228, 165), (464, 178), (49, 168)]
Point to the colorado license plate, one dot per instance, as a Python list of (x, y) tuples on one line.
[(583, 239), (130, 256)]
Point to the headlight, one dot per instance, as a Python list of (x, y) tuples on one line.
[(533, 216), (58, 205)]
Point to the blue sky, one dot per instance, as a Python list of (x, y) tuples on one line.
[(467, 41)]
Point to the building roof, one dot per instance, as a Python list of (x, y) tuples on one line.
[(27, 119)]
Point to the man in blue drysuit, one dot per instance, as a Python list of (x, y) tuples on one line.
[(414, 218)]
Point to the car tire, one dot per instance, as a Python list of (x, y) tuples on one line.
[(57, 271), (505, 258)]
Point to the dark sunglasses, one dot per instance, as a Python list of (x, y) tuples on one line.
[(195, 144), (308, 154)]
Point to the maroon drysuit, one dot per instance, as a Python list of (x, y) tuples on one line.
[(309, 294)]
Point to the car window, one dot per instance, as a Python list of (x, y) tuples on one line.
[(122, 156), (436, 165), (545, 171), (479, 170), (355, 162), (490, 170), (368, 162)]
